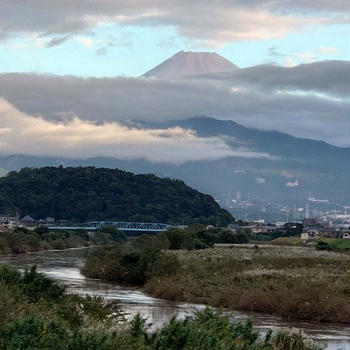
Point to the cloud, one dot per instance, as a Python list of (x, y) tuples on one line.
[(327, 50), (104, 45), (309, 100), (289, 62), (77, 138), (30, 42), (211, 23), (86, 42), (292, 60), (273, 52), (327, 77), (57, 41), (101, 52), (306, 57)]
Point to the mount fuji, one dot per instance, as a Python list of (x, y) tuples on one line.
[(188, 64)]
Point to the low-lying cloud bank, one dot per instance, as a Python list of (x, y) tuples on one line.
[(309, 100), (77, 138), (325, 77)]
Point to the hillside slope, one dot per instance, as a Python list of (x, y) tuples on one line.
[(81, 194)]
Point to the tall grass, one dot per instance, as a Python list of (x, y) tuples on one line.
[(294, 282)]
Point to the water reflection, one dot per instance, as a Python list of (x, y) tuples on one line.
[(64, 266)]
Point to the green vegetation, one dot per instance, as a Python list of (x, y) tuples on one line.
[(141, 258), (82, 194), (334, 244), (293, 241), (128, 266), (199, 237), (53, 320), (32, 241), (293, 282), (23, 240)]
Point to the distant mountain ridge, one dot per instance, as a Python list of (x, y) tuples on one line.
[(187, 63), (320, 168)]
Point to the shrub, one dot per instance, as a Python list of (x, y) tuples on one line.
[(153, 242), (21, 229), (321, 245), (112, 233), (10, 275), (229, 237), (36, 285), (124, 266), (211, 330), (41, 230), (34, 332)]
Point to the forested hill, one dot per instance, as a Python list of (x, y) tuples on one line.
[(89, 193)]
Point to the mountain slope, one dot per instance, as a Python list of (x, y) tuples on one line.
[(184, 64), (273, 142), (317, 167), (313, 166), (82, 194)]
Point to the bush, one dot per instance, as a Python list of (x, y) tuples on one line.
[(34, 332), (32, 284), (232, 238), (193, 237), (9, 275), (211, 330), (21, 229), (37, 333), (176, 238), (321, 245), (124, 266), (112, 233), (147, 242), (41, 230)]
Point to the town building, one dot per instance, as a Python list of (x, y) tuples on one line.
[(27, 221), (8, 221)]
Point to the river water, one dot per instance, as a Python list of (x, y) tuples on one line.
[(64, 266)]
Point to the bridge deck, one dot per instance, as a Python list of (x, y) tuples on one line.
[(122, 226)]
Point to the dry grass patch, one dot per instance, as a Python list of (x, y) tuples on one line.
[(294, 282)]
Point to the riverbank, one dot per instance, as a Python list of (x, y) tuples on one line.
[(293, 282)]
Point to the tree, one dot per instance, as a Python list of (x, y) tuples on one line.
[(88, 193), (113, 233)]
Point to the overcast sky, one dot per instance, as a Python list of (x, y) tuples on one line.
[(73, 66), (122, 37)]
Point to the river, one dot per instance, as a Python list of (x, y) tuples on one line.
[(64, 266)]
